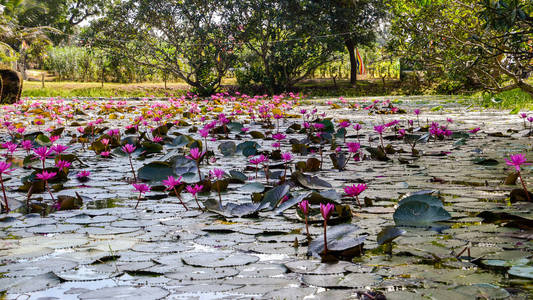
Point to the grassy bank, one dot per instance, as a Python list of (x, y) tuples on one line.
[(513, 99), (94, 89)]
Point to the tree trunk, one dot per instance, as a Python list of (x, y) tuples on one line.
[(350, 46)]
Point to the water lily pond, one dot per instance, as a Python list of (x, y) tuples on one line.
[(237, 197)]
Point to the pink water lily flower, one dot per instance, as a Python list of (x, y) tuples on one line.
[(379, 128), (43, 153), (353, 147), (279, 136), (287, 156), (83, 175), (304, 207), (141, 187), (217, 173), (326, 210), (58, 149), (355, 190), (172, 182), (475, 130), (195, 154), (194, 189), (62, 164), (344, 124), (517, 160), (129, 148), (5, 167), (44, 175)]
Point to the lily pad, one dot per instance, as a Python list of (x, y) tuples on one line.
[(311, 182), (227, 148), (521, 271), (343, 240), (272, 197), (84, 274), (126, 292), (252, 187), (155, 171), (317, 267), (196, 273), (217, 260), (388, 234), (352, 280), (419, 214)]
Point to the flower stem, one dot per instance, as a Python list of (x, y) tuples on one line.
[(325, 238), (179, 197), (138, 200), (524, 186), (4, 192), (358, 202), (49, 191), (198, 167), (196, 199), (132, 170), (307, 227)]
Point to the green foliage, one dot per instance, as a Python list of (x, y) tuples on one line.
[(506, 100), (87, 64), (183, 38), (281, 43), (490, 49)]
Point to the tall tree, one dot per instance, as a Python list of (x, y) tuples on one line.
[(187, 38), (468, 42), (283, 44), (18, 40), (65, 15), (355, 22)]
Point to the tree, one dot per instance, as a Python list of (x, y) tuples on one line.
[(65, 15), (18, 40), (491, 48), (355, 23), (190, 39), (282, 43)]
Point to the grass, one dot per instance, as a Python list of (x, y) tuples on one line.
[(312, 88), (94, 89), (513, 99)]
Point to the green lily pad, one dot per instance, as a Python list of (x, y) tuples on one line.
[(126, 292), (521, 271), (419, 214), (272, 197), (252, 187), (227, 148), (344, 242), (155, 171), (217, 260), (388, 234), (311, 182)]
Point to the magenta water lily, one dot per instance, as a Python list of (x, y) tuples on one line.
[(142, 188), (304, 207), (171, 183), (326, 210), (517, 160), (5, 168)]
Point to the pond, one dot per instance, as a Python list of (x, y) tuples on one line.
[(442, 215)]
